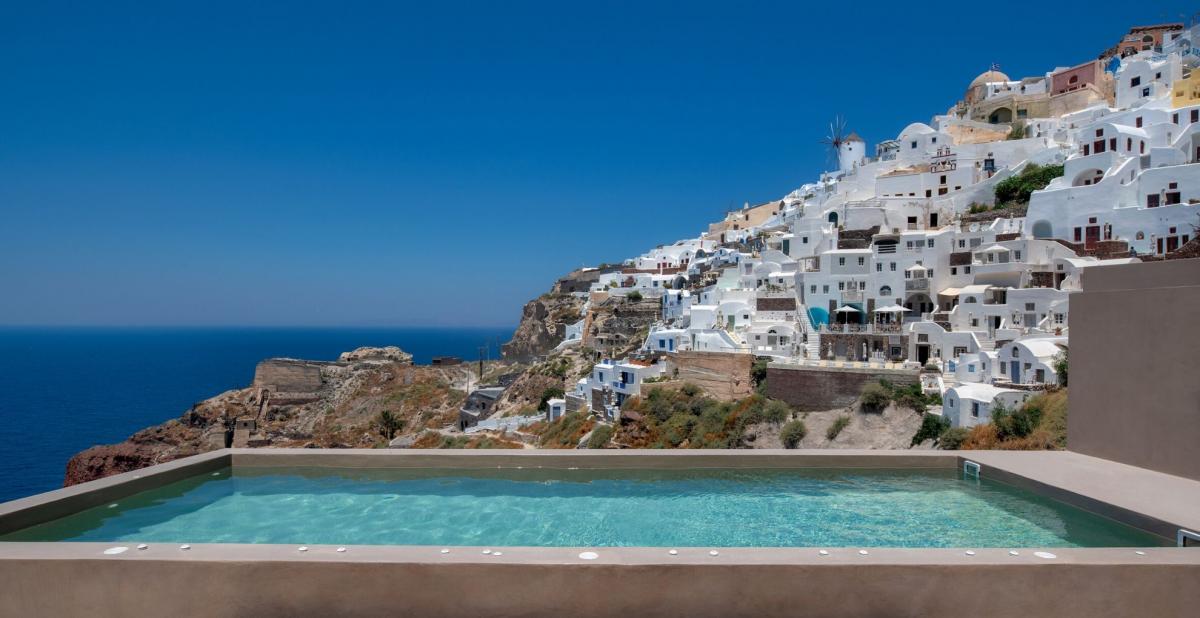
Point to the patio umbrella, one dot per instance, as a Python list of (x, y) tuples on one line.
[(846, 309), (892, 309)]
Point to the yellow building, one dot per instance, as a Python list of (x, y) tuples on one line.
[(1186, 91)]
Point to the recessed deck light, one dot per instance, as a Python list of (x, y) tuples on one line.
[(1045, 554), (302, 548), (588, 555), (112, 551), (341, 550), (143, 546), (823, 552), (714, 553), (1013, 552), (969, 553), (863, 552), (674, 552), (185, 546)]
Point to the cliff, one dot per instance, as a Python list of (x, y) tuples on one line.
[(543, 325), (295, 403)]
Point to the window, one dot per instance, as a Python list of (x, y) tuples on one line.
[(1099, 132), (862, 285), (1137, 122), (1040, 375), (975, 409), (966, 270), (971, 368), (930, 243), (825, 289), (914, 145), (1151, 202), (841, 285), (812, 289), (943, 181), (861, 261), (1017, 255), (1146, 92), (804, 239), (1196, 115), (1003, 369), (885, 290), (1058, 318), (1029, 306), (961, 243), (893, 267), (974, 322), (841, 261), (933, 140), (929, 273), (1135, 81), (1015, 353), (878, 267), (953, 270)]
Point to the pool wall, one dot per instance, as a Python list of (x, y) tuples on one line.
[(60, 579)]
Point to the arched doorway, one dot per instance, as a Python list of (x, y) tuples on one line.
[(1043, 229), (833, 218), (1001, 116)]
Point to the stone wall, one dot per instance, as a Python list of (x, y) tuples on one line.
[(288, 375), (826, 388), (721, 375)]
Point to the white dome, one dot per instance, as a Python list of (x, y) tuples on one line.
[(914, 129)]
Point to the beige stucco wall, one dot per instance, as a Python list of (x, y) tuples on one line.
[(1135, 366), (842, 584)]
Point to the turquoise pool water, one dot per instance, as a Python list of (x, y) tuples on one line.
[(591, 508)]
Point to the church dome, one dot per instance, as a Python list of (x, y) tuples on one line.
[(988, 77)]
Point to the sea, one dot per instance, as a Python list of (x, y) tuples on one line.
[(63, 390)]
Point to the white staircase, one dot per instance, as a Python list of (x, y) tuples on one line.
[(812, 348)]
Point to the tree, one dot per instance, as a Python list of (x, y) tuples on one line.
[(387, 423)]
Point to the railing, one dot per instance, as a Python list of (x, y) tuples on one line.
[(862, 328), (916, 285), (852, 296)]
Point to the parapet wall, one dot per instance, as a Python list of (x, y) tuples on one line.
[(721, 375), (1135, 380), (825, 388)]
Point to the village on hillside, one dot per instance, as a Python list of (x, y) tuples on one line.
[(943, 259)]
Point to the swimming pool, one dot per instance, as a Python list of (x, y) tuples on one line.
[(803, 507)]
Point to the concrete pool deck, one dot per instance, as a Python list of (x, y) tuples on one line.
[(267, 580)]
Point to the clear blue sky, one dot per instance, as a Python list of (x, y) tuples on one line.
[(438, 162)]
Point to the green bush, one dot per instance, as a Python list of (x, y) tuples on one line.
[(689, 389), (1017, 188), (1015, 424), (600, 436), (776, 411), (875, 396), (553, 392), (1018, 132), (1060, 367), (952, 438), (932, 428), (634, 296), (792, 433), (837, 427)]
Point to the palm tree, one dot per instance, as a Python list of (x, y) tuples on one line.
[(388, 424)]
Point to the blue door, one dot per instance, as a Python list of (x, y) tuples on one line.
[(670, 345), (1016, 371)]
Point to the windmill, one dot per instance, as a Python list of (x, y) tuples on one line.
[(833, 142)]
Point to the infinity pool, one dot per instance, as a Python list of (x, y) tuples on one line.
[(592, 508)]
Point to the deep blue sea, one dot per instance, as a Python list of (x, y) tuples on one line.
[(65, 389)]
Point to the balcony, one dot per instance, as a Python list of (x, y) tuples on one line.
[(863, 329), (916, 285)]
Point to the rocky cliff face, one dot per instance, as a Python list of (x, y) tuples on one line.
[(294, 403), (543, 325)]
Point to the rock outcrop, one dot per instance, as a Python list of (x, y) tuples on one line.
[(544, 321), (293, 403)]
